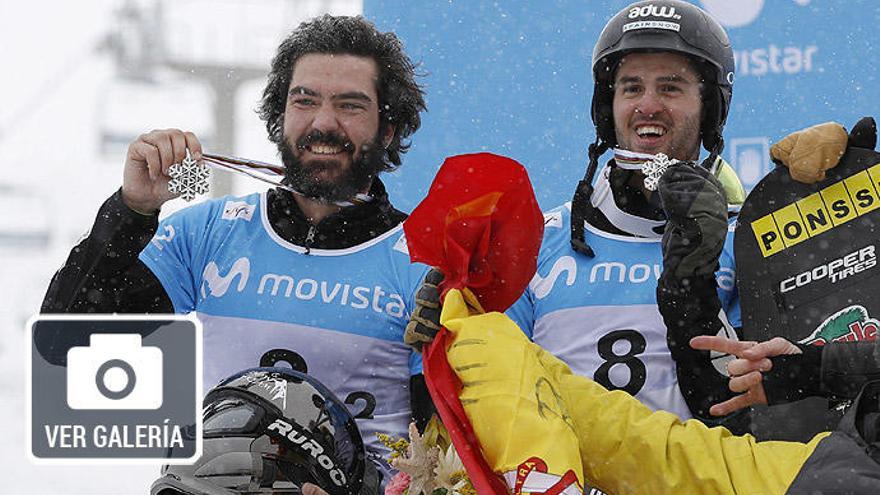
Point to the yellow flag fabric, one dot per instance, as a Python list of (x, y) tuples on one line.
[(525, 403), (515, 411)]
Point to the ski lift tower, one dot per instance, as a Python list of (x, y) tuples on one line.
[(219, 43), (225, 43)]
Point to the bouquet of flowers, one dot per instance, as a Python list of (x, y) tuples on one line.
[(428, 463)]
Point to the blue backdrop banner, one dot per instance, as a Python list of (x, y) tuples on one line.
[(513, 77)]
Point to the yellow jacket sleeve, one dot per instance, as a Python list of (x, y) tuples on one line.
[(627, 448), (623, 446)]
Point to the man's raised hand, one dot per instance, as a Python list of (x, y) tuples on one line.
[(145, 176), (696, 210), (745, 372)]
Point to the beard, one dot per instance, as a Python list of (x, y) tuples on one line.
[(684, 142), (304, 176)]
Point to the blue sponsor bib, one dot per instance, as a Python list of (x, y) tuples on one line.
[(600, 314), (338, 313)]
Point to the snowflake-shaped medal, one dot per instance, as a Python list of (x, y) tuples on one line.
[(188, 178), (654, 169)]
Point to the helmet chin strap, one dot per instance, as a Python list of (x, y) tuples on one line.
[(713, 161), (581, 204)]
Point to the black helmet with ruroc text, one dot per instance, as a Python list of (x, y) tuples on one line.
[(270, 430)]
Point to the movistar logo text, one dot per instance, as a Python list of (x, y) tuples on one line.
[(219, 284), (566, 268), (303, 288)]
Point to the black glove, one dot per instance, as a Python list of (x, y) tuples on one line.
[(696, 213), (837, 370), (795, 376), (425, 321), (863, 134)]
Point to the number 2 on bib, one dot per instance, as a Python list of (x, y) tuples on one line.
[(298, 363), (637, 370)]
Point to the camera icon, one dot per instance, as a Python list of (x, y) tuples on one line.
[(114, 372)]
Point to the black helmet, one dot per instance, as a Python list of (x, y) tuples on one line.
[(269, 430), (666, 26)]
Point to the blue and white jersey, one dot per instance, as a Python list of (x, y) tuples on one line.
[(600, 314), (340, 313)]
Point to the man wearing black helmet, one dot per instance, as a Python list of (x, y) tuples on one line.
[(629, 270)]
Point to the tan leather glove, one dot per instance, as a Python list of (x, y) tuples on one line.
[(808, 153)]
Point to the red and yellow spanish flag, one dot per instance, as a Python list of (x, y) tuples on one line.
[(481, 225)]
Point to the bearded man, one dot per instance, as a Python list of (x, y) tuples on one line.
[(312, 275)]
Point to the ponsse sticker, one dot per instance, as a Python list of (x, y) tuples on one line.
[(819, 212)]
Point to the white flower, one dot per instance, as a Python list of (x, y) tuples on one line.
[(450, 471), (419, 462)]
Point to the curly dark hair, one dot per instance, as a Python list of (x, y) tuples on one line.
[(401, 98)]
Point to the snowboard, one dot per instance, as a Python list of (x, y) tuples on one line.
[(807, 271)]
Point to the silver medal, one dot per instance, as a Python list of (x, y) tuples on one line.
[(189, 178), (654, 169)]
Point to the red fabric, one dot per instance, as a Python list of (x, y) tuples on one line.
[(481, 225), (444, 387)]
